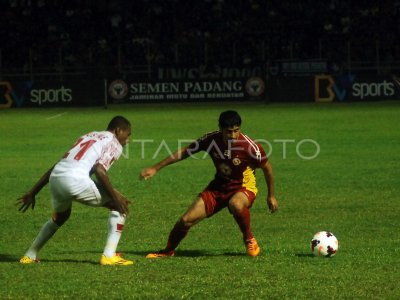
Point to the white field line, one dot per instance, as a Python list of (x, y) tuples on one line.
[(56, 116)]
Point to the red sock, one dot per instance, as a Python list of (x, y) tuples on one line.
[(243, 220), (176, 235)]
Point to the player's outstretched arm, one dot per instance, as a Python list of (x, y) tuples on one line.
[(29, 198), (173, 158), (269, 179)]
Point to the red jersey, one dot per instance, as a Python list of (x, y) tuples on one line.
[(235, 162)]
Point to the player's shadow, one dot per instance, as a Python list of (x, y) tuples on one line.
[(139, 253), (68, 260), (8, 258), (190, 253), (11, 258)]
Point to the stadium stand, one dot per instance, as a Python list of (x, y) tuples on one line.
[(65, 35)]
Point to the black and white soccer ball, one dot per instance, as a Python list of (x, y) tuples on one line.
[(324, 243)]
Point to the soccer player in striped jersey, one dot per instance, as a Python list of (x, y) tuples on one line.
[(70, 180), (235, 156)]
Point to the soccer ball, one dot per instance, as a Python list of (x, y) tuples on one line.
[(325, 244)]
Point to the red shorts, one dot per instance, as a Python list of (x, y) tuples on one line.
[(215, 200)]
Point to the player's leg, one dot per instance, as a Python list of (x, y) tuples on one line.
[(239, 206), (61, 203), (194, 214), (116, 223), (46, 232)]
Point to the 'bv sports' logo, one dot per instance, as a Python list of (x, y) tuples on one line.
[(8, 95), (326, 89)]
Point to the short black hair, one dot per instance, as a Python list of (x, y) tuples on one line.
[(118, 122), (229, 118)]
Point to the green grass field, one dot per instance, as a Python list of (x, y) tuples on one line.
[(336, 168)]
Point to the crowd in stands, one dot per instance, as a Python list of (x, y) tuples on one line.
[(66, 34)]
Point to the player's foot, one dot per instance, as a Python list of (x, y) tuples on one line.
[(114, 261), (161, 254), (27, 260), (252, 247)]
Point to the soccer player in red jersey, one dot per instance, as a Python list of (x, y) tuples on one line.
[(235, 157)]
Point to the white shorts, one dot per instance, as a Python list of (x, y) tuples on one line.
[(64, 190)]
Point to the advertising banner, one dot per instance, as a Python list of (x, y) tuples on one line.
[(31, 93), (333, 88), (312, 88), (351, 87), (216, 90)]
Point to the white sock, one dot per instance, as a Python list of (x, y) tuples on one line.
[(47, 231), (116, 223)]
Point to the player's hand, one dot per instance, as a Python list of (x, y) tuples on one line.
[(26, 200), (121, 205), (147, 173), (272, 204)]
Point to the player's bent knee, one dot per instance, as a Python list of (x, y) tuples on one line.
[(61, 217), (184, 222), (235, 207)]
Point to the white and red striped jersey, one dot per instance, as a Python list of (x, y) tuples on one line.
[(92, 148)]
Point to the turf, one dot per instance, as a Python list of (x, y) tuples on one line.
[(336, 169)]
